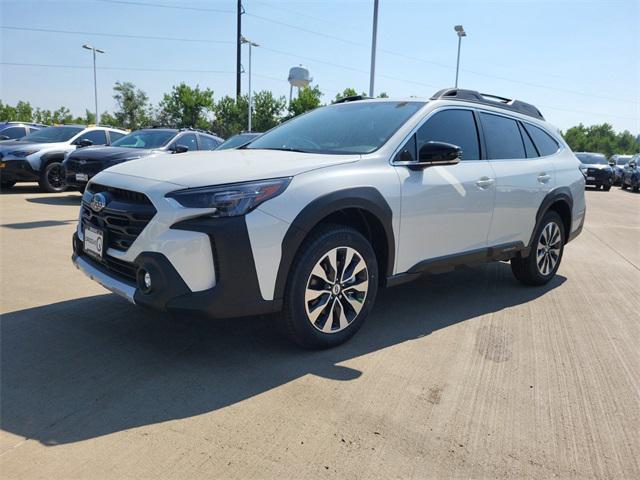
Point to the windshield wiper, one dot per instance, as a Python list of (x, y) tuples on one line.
[(284, 149)]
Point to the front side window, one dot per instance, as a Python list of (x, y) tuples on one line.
[(96, 137), (189, 140), (145, 139), (545, 144), (351, 128), (502, 137), (457, 127), (53, 134), (12, 133), (208, 143)]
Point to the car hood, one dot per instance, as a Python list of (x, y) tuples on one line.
[(17, 145), (109, 153), (197, 169)]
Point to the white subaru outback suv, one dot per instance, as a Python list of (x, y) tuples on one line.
[(314, 216)]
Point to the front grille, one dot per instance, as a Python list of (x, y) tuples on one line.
[(127, 213), (79, 166)]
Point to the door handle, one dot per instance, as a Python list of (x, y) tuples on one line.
[(544, 177), (484, 182)]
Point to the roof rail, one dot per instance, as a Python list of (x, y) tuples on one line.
[(486, 99), (352, 98)]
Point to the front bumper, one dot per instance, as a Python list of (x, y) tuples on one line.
[(236, 292), (73, 167), (17, 171), (595, 176)]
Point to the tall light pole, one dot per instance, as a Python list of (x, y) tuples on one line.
[(374, 36), (95, 82), (251, 44), (461, 33)]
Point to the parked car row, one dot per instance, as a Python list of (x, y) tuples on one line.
[(631, 174), (64, 156), (602, 173)]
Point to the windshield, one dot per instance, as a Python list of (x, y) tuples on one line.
[(592, 158), (351, 128), (623, 160), (145, 139), (52, 134), (237, 141)]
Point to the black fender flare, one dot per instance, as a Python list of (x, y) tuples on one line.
[(50, 157), (559, 194), (368, 199)]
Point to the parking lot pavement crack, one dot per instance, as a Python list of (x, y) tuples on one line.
[(613, 249)]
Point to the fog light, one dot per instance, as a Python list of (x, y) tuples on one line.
[(147, 280)]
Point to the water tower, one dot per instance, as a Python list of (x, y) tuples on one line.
[(298, 77)]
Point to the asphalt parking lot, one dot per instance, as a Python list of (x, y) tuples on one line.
[(467, 374)]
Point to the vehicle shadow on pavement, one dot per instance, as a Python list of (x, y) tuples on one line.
[(88, 367), (61, 199)]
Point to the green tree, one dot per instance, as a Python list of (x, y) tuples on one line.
[(185, 106), (267, 110), (383, 95), (43, 116), (7, 112), (107, 118), (62, 116), (307, 99), (133, 106), (231, 117), (24, 112)]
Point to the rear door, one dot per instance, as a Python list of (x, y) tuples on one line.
[(446, 210), (523, 177)]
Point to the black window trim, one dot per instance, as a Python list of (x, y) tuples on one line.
[(559, 144), (523, 132), (422, 121)]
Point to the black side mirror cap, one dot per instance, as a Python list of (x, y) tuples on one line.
[(84, 142), (437, 153), (179, 148)]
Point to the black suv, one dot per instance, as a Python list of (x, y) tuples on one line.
[(596, 170), (81, 165)]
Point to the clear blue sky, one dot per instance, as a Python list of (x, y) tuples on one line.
[(578, 61)]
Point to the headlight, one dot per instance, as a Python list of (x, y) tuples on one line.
[(23, 153), (583, 169), (233, 199)]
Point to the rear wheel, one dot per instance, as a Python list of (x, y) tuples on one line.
[(544, 259), (51, 178), (331, 288)]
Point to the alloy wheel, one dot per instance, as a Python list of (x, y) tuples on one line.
[(336, 289), (548, 250), (54, 176)]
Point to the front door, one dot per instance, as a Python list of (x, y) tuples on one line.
[(446, 210)]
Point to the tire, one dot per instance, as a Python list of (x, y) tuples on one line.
[(538, 268), (6, 185), (607, 187), (316, 320), (623, 186), (635, 188), (51, 179)]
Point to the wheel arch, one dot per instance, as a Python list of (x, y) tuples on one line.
[(559, 200), (362, 208)]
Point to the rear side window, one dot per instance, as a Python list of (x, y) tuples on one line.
[(457, 127), (13, 132), (545, 144), (97, 137), (208, 143), (529, 148), (188, 140), (502, 136), (115, 135)]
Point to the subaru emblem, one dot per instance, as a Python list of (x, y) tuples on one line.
[(98, 202)]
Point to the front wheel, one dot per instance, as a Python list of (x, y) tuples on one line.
[(623, 186), (547, 248), (331, 288), (51, 178), (607, 187)]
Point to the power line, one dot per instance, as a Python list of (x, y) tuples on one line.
[(158, 5), (132, 69), (116, 35)]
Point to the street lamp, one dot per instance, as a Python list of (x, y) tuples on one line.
[(95, 83), (251, 44), (461, 33)]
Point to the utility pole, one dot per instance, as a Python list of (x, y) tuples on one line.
[(251, 44), (238, 49), (373, 47), (461, 33), (95, 81)]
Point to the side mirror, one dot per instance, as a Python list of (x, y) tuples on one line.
[(84, 142), (4, 137), (179, 148), (438, 153), (632, 164)]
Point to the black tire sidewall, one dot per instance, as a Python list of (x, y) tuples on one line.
[(310, 253), (44, 178), (537, 275)]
